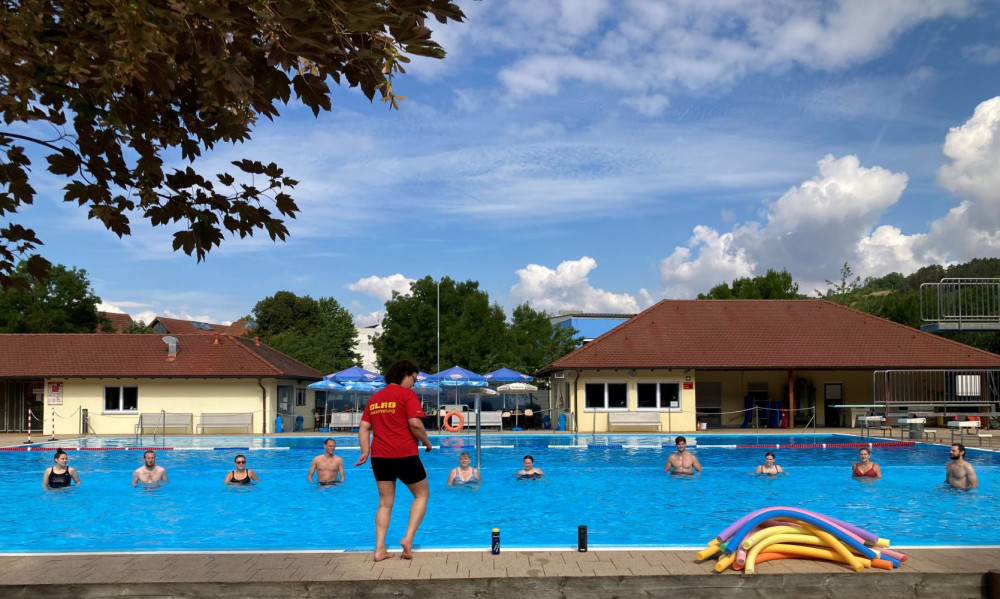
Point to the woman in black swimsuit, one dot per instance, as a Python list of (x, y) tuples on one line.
[(60, 474), (242, 475)]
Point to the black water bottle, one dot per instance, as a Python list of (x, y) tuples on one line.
[(581, 538), (495, 545)]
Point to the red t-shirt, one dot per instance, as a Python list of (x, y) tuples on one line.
[(388, 412)]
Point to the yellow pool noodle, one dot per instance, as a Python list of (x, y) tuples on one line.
[(748, 567), (770, 531), (725, 561), (837, 545)]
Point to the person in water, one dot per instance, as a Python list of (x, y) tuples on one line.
[(465, 474), (329, 468), (958, 473), (865, 467), (682, 461), (769, 467), (60, 474), (149, 472), (242, 475), (529, 470)]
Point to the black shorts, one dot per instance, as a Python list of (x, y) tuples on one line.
[(408, 470)]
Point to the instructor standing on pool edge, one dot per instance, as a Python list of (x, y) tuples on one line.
[(393, 417)]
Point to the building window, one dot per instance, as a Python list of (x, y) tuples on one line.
[(300, 397), (285, 397), (658, 396), (606, 396), (121, 399)]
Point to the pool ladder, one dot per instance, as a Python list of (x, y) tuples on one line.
[(159, 420)]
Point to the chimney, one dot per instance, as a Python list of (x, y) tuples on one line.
[(256, 341), (172, 347), (216, 339)]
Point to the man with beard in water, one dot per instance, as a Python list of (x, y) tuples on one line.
[(958, 473)]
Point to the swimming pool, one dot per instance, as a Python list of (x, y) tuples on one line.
[(615, 485)]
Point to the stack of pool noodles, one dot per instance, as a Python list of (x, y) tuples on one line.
[(788, 532)]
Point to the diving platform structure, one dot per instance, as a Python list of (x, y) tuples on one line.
[(960, 305)]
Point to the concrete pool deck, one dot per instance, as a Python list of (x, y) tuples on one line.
[(950, 573)]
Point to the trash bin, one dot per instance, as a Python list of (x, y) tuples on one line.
[(917, 430), (562, 422), (299, 421), (279, 424)]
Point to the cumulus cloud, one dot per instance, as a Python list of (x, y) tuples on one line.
[(811, 230), (381, 288), (834, 218), (370, 319), (972, 171), (568, 288)]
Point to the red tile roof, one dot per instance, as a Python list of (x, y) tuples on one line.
[(768, 334), (118, 321), (142, 356), (176, 326)]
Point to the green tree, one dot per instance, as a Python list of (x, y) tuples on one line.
[(470, 326), (61, 303), (532, 341), (773, 285), (319, 332), (122, 85), (137, 327), (845, 292)]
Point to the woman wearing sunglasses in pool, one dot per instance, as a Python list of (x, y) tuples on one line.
[(242, 475), (60, 474)]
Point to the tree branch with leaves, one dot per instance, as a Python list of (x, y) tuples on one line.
[(108, 88)]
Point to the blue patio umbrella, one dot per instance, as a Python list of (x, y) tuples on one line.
[(355, 374), (456, 376), (326, 385), (506, 375), (424, 383)]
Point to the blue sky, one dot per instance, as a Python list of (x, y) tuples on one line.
[(603, 155)]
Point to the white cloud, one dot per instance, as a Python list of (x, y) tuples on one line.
[(971, 229), (981, 53), (670, 46), (568, 288), (649, 105), (370, 319), (811, 230), (381, 288)]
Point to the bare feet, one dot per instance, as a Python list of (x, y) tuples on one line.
[(384, 555), (407, 549)]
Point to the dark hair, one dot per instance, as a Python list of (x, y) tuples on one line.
[(148, 451), (399, 370), (329, 439), (59, 452), (770, 453), (466, 454), (240, 455), (961, 448), (680, 439), (528, 457)]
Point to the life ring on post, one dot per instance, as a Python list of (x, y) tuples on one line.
[(447, 421)]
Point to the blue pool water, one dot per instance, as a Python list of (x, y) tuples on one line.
[(613, 484)]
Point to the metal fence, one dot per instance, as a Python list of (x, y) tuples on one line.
[(961, 300), (955, 391)]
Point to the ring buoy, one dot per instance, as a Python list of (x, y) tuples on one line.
[(447, 421)]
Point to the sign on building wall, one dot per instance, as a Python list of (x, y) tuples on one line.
[(55, 393)]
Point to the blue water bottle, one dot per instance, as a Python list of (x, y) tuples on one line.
[(495, 545)]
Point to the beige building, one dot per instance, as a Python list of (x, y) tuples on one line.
[(186, 383), (680, 364)]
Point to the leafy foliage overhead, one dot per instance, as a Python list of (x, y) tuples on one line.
[(107, 88)]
